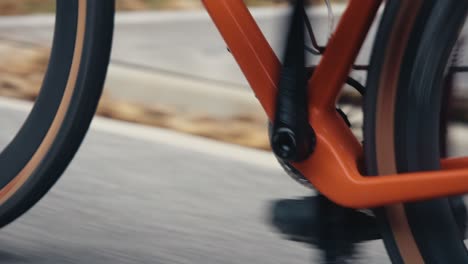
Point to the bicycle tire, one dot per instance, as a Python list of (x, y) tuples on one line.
[(427, 231), (54, 129)]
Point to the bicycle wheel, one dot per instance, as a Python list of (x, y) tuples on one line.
[(401, 123), (48, 139)]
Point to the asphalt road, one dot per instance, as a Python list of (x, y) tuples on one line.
[(135, 194), (143, 195)]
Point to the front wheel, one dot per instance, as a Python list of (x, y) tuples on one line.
[(48, 139)]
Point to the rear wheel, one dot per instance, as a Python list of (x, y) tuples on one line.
[(402, 123), (47, 141)]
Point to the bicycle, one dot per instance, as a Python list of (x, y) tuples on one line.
[(402, 105)]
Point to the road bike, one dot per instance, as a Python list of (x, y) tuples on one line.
[(402, 116), (404, 130)]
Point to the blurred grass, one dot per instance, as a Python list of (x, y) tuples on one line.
[(22, 7)]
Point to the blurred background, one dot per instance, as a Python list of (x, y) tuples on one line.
[(176, 168), (162, 48)]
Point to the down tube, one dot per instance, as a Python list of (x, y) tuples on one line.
[(249, 47), (260, 65)]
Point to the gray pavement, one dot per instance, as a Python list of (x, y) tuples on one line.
[(143, 195)]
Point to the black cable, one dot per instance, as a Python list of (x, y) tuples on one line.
[(349, 81), (311, 50), (356, 85), (317, 49)]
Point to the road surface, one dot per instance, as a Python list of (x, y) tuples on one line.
[(143, 195), (135, 194)]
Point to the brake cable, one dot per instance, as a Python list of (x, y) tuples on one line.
[(318, 50)]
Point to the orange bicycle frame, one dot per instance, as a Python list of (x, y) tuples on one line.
[(333, 168)]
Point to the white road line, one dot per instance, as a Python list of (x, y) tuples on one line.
[(168, 137)]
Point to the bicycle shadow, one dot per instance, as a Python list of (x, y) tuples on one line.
[(9, 257), (323, 225)]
